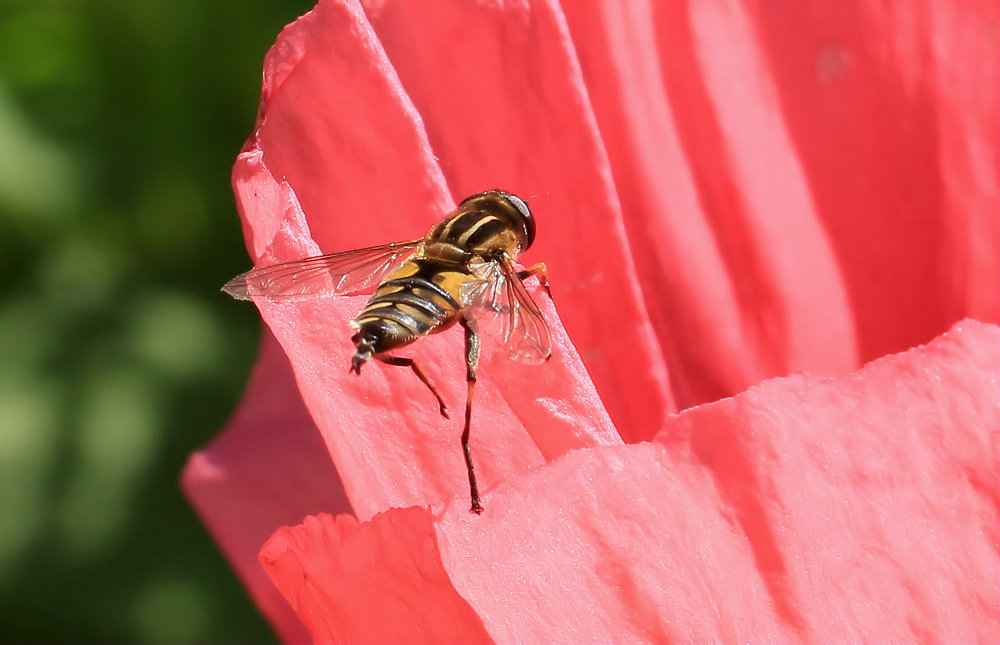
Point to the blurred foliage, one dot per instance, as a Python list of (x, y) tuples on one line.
[(119, 124)]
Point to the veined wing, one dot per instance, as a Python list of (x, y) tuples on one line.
[(325, 275), (498, 306)]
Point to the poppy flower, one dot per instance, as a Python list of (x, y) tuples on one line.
[(725, 193)]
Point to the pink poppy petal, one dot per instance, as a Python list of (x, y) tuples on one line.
[(858, 508), (893, 111), (755, 262), (383, 429), (353, 584), (268, 468), (739, 277), (501, 94), (336, 126), (804, 187), (879, 488)]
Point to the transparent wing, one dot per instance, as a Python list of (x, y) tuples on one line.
[(325, 275), (498, 306)]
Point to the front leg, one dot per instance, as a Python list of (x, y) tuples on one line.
[(472, 366), (541, 271)]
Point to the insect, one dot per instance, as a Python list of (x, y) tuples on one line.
[(461, 272)]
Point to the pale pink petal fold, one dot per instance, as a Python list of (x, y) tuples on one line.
[(266, 469), (336, 126), (855, 509)]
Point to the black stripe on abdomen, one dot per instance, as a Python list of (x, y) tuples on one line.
[(415, 303)]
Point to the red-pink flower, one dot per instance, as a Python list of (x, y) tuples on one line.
[(726, 192)]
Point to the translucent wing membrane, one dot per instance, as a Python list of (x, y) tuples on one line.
[(325, 275), (499, 307)]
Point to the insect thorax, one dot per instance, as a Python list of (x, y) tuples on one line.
[(484, 234)]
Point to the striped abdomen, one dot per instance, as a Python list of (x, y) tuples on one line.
[(419, 298)]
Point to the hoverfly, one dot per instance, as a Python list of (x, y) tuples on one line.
[(461, 271)]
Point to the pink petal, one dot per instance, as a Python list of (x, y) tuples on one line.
[(268, 468), (861, 508), (365, 587), (337, 128), (893, 110), (738, 275), (804, 187), (503, 101), (880, 489)]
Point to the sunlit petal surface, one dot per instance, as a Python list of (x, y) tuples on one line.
[(726, 192), (841, 510)]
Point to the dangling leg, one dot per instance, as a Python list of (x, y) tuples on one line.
[(409, 362), (471, 365), (541, 271)]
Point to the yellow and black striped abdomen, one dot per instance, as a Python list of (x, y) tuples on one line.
[(421, 297)]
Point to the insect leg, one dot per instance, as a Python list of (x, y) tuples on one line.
[(541, 271), (409, 362), (471, 365)]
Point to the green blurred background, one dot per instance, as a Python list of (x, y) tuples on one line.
[(119, 124)]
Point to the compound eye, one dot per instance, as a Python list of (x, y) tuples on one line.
[(529, 220)]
